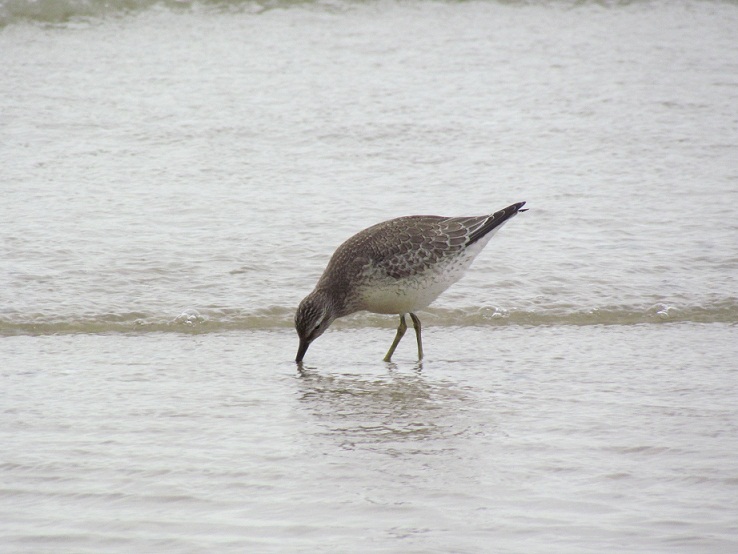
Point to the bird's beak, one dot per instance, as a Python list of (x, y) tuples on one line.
[(301, 350)]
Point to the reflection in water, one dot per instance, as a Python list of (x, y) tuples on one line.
[(396, 410)]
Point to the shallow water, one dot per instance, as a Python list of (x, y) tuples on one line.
[(562, 437), (175, 178)]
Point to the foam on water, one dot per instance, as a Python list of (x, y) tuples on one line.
[(62, 11), (212, 320)]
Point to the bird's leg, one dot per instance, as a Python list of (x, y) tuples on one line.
[(400, 331), (416, 324)]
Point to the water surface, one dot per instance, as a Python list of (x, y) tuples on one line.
[(175, 178)]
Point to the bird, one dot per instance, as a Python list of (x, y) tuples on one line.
[(396, 267)]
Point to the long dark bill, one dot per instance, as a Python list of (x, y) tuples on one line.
[(301, 350)]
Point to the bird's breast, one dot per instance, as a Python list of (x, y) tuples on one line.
[(386, 294)]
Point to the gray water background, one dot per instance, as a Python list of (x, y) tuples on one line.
[(175, 178)]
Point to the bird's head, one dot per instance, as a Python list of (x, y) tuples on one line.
[(314, 315)]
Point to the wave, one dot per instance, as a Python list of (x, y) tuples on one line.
[(193, 321), (62, 11)]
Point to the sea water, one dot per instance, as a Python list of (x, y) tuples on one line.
[(176, 175)]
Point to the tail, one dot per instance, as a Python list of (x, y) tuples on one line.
[(495, 220)]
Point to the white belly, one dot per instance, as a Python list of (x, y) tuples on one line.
[(401, 296)]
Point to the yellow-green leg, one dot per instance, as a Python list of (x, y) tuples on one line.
[(416, 324), (400, 332)]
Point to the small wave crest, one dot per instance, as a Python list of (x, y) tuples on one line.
[(62, 11), (190, 320), (214, 320)]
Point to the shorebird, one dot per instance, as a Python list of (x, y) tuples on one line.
[(397, 267)]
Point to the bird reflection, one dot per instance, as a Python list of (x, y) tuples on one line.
[(397, 408)]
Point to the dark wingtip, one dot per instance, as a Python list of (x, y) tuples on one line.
[(518, 207), (495, 220)]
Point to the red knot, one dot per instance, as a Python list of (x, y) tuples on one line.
[(398, 267)]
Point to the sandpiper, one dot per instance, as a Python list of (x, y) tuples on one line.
[(396, 267)]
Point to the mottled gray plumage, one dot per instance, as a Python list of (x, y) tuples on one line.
[(395, 267)]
